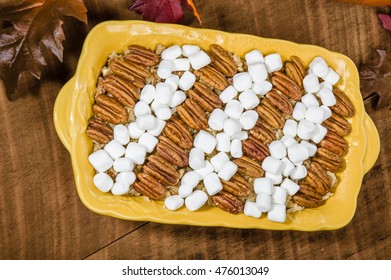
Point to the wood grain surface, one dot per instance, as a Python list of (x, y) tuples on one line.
[(42, 217)]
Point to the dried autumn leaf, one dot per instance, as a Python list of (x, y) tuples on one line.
[(35, 26), (168, 11), (377, 79)]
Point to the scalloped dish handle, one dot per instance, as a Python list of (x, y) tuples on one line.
[(373, 146)]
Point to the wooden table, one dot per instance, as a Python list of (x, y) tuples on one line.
[(43, 218)]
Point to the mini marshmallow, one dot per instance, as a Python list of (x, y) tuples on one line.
[(232, 126), (276, 178), (309, 100), (149, 141), (228, 94), (290, 128), (288, 167), (163, 112), (141, 108), (277, 213), (219, 160), (223, 142), (207, 169), (299, 172), (310, 147), (241, 135), (177, 98), (288, 140), (173, 82), (199, 60), (251, 210), (120, 188), (273, 62), (263, 185), (326, 84), (298, 152), (127, 177), (216, 119), (136, 152), (311, 83), (258, 72), (227, 170), (172, 52), (196, 200), (327, 97), (212, 183), (263, 202), (100, 160), (196, 158), (187, 80), (279, 195), (254, 57), (242, 81), (123, 165), (315, 114), (332, 77), (174, 202), (145, 122), (163, 93), (305, 129), (115, 149), (134, 131), (206, 141), (319, 67), (290, 186), (191, 178), (299, 111), (272, 165), (248, 119), (181, 64), (236, 148), (147, 94), (157, 130), (298, 163), (249, 99), (319, 134), (190, 50), (165, 69), (185, 190), (261, 88), (277, 149), (121, 133), (234, 109), (103, 182), (327, 112), (155, 104)]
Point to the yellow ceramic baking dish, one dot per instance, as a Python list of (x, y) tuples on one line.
[(73, 109)]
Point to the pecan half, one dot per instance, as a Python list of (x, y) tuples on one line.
[(228, 202), (255, 149), (130, 71), (162, 170), (270, 114), (334, 143), (110, 110), (212, 77), (192, 115), (237, 186), (99, 131), (222, 60), (307, 202), (206, 97), (295, 70), (286, 85), (338, 124), (141, 55), (249, 167), (280, 101), (122, 90), (177, 131), (309, 191), (329, 160), (344, 106), (171, 152), (263, 132), (149, 186), (318, 178)]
